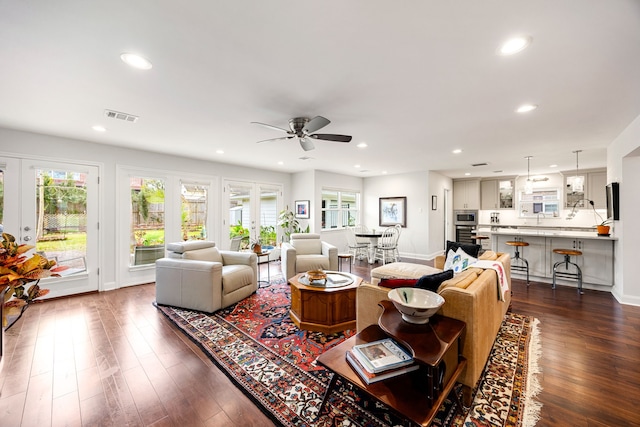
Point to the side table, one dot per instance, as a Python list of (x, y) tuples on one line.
[(416, 396), (260, 255)]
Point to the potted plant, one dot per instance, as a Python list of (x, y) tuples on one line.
[(16, 270), (603, 228), (288, 222)]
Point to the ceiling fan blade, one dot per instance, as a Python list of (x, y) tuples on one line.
[(275, 139), (306, 144), (271, 126), (318, 122), (332, 137)]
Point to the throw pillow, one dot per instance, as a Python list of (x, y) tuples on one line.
[(397, 283), (458, 260), (432, 282), (472, 250)]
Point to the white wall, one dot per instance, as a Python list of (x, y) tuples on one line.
[(438, 183), (23, 144), (623, 166), (414, 240)]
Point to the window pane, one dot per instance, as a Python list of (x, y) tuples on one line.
[(268, 216), (61, 207), (339, 209), (194, 211), (147, 220), (240, 212)]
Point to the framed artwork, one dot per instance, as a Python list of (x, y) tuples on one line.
[(434, 203), (302, 209), (393, 210)]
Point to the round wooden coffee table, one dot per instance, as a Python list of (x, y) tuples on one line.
[(328, 309)]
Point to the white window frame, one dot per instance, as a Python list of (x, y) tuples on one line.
[(340, 210)]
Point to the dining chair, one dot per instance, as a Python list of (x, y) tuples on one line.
[(356, 249), (386, 250)]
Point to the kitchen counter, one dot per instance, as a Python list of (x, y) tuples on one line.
[(544, 232)]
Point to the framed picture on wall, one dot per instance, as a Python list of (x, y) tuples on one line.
[(302, 209), (393, 210)]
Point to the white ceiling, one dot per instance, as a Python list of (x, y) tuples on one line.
[(412, 79)]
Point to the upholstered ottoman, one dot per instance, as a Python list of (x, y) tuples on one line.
[(401, 270)]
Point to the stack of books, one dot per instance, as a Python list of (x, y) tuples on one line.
[(380, 360)]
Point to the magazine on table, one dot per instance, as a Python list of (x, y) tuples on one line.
[(369, 377), (338, 278), (382, 355)]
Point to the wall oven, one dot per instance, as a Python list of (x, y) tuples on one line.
[(465, 223)]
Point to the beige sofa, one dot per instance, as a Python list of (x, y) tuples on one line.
[(471, 296), (197, 276)]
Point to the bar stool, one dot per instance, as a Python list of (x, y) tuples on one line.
[(341, 258), (478, 238), (514, 266), (568, 253)]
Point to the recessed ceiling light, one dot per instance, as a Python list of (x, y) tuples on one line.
[(136, 61), (99, 128), (220, 151), (356, 166), (362, 145), (384, 172), (525, 108), (514, 45), (467, 173), (281, 163), (553, 166), (457, 151)]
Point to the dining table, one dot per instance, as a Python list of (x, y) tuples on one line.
[(373, 237)]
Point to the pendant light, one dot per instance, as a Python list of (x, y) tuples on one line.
[(577, 184), (528, 186)]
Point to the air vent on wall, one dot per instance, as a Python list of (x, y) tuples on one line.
[(479, 164), (120, 116)]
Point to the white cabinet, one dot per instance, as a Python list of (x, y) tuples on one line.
[(466, 194), (596, 189), (596, 261), (496, 194), (535, 253), (594, 184)]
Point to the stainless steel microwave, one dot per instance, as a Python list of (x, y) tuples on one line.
[(465, 217)]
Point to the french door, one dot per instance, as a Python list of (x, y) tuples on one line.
[(54, 207), (252, 211)]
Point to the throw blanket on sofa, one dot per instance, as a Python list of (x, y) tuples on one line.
[(503, 286)]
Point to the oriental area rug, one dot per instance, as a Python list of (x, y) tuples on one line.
[(258, 347)]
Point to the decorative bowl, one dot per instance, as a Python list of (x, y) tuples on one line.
[(416, 305), (315, 275)]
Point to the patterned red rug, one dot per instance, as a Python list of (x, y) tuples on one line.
[(255, 343)]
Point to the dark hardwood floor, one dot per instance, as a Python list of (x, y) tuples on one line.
[(111, 359)]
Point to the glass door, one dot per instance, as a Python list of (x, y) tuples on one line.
[(252, 213), (54, 206)]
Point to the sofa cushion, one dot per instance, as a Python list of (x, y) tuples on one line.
[(207, 254), (307, 246), (432, 282), (470, 249), (393, 283), (489, 255), (458, 260), (236, 276), (461, 280), (312, 262)]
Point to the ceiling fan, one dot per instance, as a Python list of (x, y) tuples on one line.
[(303, 128)]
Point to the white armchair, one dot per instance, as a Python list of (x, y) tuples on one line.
[(197, 276), (304, 252)]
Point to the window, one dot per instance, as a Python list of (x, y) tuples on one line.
[(193, 215), (340, 209), (147, 220)]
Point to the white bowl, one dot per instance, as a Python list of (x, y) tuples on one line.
[(416, 305)]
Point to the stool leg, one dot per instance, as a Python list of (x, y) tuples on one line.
[(527, 264)]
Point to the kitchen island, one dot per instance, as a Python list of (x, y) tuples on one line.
[(596, 261)]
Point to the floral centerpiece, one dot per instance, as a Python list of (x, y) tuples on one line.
[(16, 271)]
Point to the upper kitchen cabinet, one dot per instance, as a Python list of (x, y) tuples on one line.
[(497, 193), (466, 194), (594, 188)]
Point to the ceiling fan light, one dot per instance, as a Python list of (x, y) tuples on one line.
[(528, 187), (136, 61)]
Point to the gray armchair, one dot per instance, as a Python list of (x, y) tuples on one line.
[(197, 276), (304, 252)]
